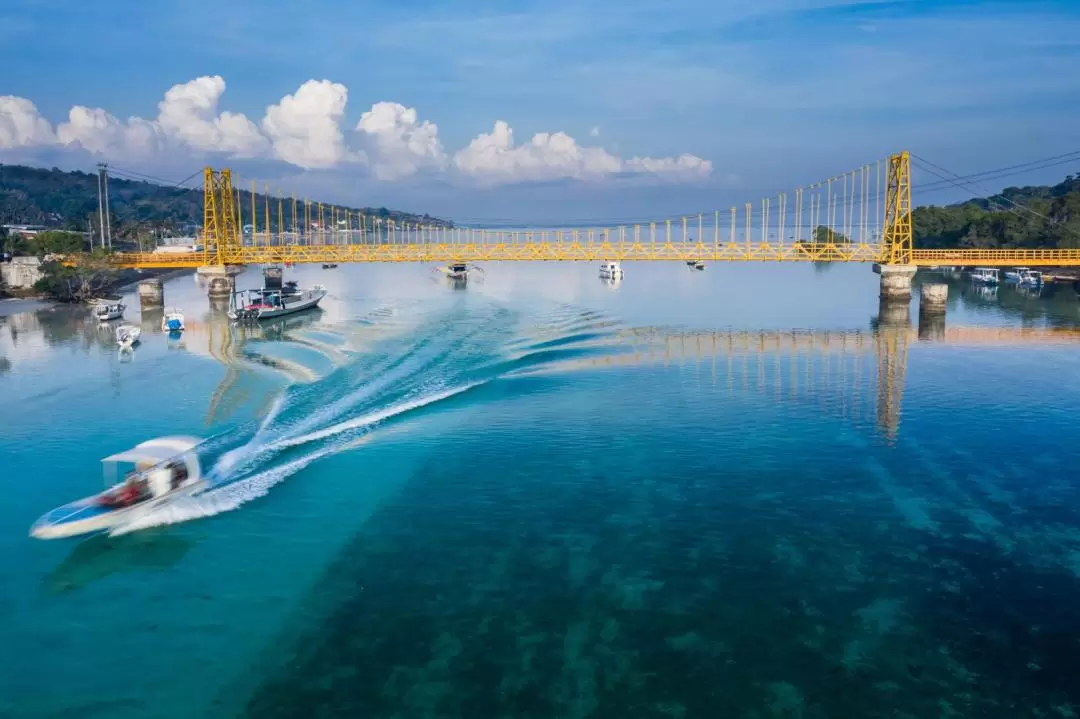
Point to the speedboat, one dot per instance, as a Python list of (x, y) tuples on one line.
[(163, 469), (266, 303), (456, 271), (695, 264), (611, 270), (172, 320), (128, 335), (111, 311)]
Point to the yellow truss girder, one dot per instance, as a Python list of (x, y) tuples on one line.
[(639, 242)]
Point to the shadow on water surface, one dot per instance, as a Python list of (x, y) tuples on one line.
[(102, 556)]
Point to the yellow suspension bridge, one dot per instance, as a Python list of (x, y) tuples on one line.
[(858, 216)]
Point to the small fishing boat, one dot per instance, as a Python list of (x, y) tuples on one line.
[(128, 335), (163, 469), (172, 320), (108, 312), (1031, 278), (985, 275), (611, 271), (267, 303)]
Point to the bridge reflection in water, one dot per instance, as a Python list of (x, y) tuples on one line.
[(855, 374), (858, 375)]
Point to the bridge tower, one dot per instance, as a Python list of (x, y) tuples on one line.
[(895, 265), (219, 215), (219, 231)]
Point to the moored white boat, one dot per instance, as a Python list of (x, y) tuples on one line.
[(611, 270), (111, 311), (264, 304), (1031, 278), (128, 335), (172, 320), (985, 275), (164, 468)]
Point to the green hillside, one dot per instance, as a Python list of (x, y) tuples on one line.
[(1051, 219), (68, 200)]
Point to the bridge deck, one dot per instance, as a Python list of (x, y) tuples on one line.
[(583, 251)]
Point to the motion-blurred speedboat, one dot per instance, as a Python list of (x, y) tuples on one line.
[(163, 468)]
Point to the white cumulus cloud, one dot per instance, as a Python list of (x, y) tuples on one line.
[(305, 127), (400, 144), (98, 132), (494, 158), (685, 165), (21, 125), (189, 114)]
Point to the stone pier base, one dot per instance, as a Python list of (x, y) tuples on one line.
[(151, 293), (932, 298), (220, 287), (895, 281)]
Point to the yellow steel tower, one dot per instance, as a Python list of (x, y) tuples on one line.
[(896, 230), (219, 215)]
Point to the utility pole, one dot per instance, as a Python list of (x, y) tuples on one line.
[(101, 210), (108, 223)]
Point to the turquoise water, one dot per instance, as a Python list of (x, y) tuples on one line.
[(733, 493)]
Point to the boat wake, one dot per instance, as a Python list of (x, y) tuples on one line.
[(310, 421)]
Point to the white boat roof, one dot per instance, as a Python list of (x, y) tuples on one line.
[(155, 450)]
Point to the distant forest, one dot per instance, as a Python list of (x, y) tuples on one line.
[(69, 201), (1018, 217)]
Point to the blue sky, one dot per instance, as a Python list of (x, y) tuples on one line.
[(764, 95)]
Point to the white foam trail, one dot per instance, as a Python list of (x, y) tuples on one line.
[(369, 419), (271, 415), (231, 495)]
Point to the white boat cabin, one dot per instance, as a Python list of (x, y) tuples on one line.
[(151, 469), (611, 270)]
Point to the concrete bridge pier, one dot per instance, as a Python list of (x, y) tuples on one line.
[(151, 293), (932, 299), (895, 281), (220, 287), (219, 281)]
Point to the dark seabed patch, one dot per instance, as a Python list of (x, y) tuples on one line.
[(585, 574)]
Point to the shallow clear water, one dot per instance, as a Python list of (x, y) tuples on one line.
[(738, 493)]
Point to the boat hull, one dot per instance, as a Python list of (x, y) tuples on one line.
[(85, 516), (305, 301)]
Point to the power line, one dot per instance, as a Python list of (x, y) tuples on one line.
[(956, 179)]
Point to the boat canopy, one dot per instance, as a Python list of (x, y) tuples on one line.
[(154, 451)]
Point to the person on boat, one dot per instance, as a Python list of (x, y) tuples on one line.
[(125, 495), (179, 474)]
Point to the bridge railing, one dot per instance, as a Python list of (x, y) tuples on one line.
[(999, 257)]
